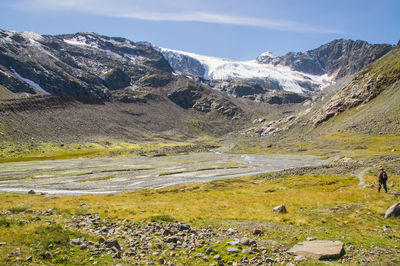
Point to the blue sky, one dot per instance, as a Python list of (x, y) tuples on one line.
[(237, 29)]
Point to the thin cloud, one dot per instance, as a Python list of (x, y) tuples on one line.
[(139, 9)]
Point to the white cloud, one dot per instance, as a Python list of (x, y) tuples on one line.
[(159, 10)]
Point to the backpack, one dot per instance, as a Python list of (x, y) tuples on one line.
[(384, 176)]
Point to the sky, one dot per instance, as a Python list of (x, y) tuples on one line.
[(236, 29)]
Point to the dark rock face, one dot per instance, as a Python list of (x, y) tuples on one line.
[(338, 58), (117, 79), (193, 95), (286, 98), (186, 96), (82, 64)]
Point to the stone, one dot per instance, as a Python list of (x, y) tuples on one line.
[(208, 251), (257, 231), (231, 231), (3, 244), (76, 241), (394, 210), (46, 255), (300, 258), (29, 259), (232, 250), (217, 257), (350, 248), (183, 227), (31, 191), (318, 249), (113, 242), (279, 209), (48, 212), (246, 251)]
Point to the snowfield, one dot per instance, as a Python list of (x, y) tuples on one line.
[(225, 69)]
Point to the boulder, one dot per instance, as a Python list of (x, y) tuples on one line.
[(394, 210), (280, 209), (318, 249), (113, 242)]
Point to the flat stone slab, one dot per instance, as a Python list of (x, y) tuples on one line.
[(318, 249)]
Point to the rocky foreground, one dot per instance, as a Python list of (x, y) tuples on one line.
[(176, 243)]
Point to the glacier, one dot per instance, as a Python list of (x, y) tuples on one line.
[(227, 69)]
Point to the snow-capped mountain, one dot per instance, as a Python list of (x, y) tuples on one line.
[(295, 72), (225, 69)]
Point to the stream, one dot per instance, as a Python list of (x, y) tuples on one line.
[(114, 175)]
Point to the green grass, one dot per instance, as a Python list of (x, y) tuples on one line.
[(15, 152), (322, 206), (101, 178)]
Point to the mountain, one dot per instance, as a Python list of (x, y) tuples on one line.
[(86, 86), (269, 76), (82, 64), (301, 72), (368, 103), (336, 59)]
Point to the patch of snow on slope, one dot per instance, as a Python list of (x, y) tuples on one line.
[(82, 41), (224, 69), (30, 82)]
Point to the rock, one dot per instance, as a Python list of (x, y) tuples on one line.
[(309, 238), (232, 250), (394, 210), (48, 212), (246, 241), (231, 231), (31, 191), (300, 258), (279, 209), (350, 248), (76, 241), (318, 249), (84, 246), (183, 227), (3, 244), (112, 243), (46, 255), (217, 257), (208, 251), (246, 251), (29, 259), (257, 231)]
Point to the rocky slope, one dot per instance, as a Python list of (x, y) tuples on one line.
[(367, 103), (338, 58), (269, 76), (301, 72), (82, 64)]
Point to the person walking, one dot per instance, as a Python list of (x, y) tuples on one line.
[(382, 178)]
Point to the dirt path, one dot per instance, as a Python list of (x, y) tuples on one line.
[(113, 175), (360, 174)]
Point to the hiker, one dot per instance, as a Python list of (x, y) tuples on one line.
[(382, 178)]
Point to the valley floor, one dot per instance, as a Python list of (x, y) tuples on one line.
[(211, 222)]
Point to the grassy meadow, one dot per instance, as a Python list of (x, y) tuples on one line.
[(323, 203)]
